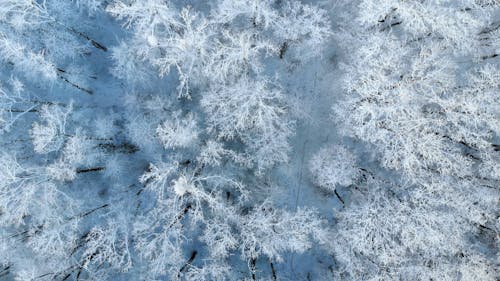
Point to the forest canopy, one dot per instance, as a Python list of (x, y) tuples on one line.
[(249, 140)]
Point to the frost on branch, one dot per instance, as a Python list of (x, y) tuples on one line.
[(271, 232), (456, 22), (299, 27), (30, 64), (14, 103), (418, 92), (61, 171), (261, 13), (220, 238), (182, 185), (157, 177), (77, 152), (212, 153), (185, 49), (178, 132), (23, 14), (388, 236), (108, 245), (167, 39), (331, 167), (420, 106), (302, 28), (252, 111), (28, 198), (49, 135), (127, 66), (147, 16), (236, 53), (247, 106), (92, 6), (224, 53), (162, 249)]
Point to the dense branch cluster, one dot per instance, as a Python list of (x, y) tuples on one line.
[(423, 92), (155, 185)]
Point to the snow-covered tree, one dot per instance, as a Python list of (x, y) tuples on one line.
[(270, 232), (423, 109), (333, 166), (179, 132), (419, 94), (49, 135), (30, 63), (108, 244), (254, 112), (385, 235), (303, 29), (168, 39)]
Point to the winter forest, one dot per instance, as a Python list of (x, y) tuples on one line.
[(250, 140)]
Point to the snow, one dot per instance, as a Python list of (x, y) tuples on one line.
[(181, 186)]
